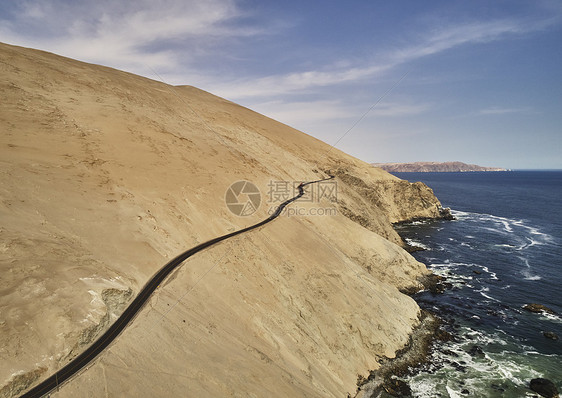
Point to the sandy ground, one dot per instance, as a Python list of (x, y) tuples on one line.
[(105, 176)]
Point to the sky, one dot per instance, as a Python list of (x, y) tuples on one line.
[(386, 81)]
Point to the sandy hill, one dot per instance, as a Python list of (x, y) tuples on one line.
[(105, 176), (439, 167)]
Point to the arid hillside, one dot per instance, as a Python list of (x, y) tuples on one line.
[(105, 176)]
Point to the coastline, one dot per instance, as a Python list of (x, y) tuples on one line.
[(491, 265), (386, 381)]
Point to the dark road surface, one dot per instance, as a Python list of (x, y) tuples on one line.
[(127, 316)]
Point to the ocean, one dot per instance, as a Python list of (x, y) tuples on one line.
[(504, 250)]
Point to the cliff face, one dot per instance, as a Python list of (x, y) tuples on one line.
[(106, 176), (440, 167)]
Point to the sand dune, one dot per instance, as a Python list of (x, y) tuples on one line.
[(105, 176)]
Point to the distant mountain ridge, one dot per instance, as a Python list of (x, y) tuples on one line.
[(440, 167)]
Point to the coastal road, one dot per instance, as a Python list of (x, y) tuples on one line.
[(78, 363)]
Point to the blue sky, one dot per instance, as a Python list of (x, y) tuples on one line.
[(475, 81)]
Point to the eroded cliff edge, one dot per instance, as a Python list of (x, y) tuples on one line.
[(107, 175)]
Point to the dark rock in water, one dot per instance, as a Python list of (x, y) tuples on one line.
[(451, 353), (443, 335), (413, 249), (435, 283), (550, 335), (538, 308), (440, 287), (458, 367), (476, 351), (493, 313), (476, 272), (445, 213), (497, 387), (544, 387), (397, 388)]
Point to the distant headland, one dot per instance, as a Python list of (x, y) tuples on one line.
[(439, 167)]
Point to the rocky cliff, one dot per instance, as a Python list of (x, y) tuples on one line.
[(105, 176), (439, 167)]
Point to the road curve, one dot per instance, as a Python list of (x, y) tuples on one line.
[(78, 363)]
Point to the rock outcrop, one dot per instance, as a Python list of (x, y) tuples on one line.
[(105, 176), (538, 309), (544, 387)]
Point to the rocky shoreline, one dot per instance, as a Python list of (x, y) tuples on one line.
[(415, 356), (389, 379), (385, 381), (433, 329)]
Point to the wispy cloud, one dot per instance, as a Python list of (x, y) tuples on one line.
[(451, 36), (297, 81), (308, 115), (503, 111), (173, 34), (433, 42), (393, 109), (298, 112), (121, 34)]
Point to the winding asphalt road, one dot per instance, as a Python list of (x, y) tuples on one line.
[(127, 316)]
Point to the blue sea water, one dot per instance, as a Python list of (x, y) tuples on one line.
[(504, 250)]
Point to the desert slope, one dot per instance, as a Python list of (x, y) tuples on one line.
[(105, 176)]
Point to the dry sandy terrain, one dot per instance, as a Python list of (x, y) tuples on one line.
[(105, 176)]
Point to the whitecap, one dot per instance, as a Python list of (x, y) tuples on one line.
[(529, 277), (505, 245), (415, 243), (506, 225), (535, 231), (495, 230), (527, 271), (452, 393), (492, 274), (489, 297), (460, 214), (533, 242), (551, 317), (423, 387)]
